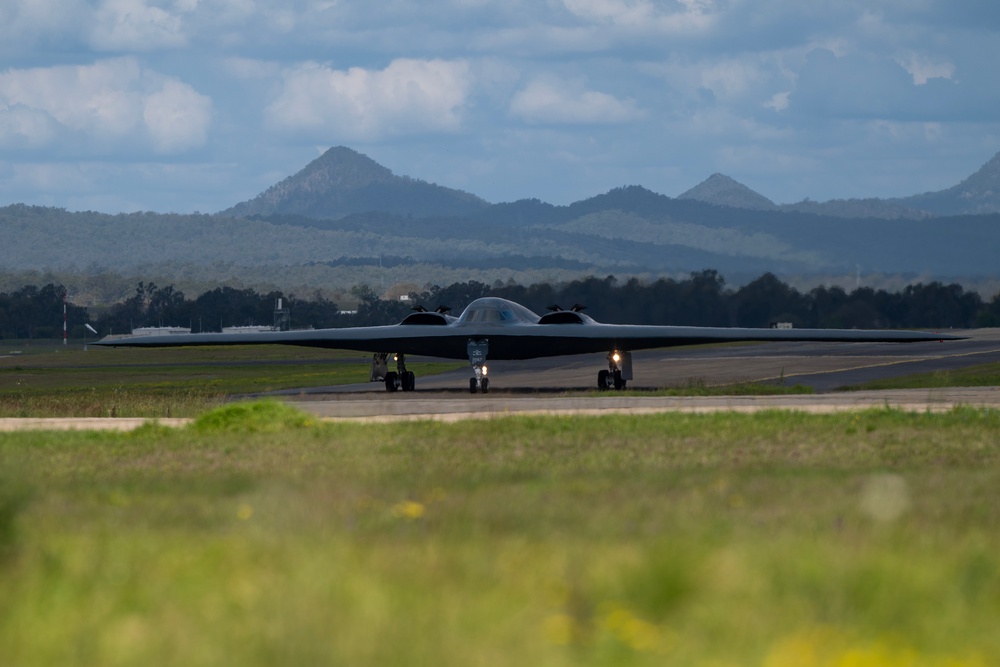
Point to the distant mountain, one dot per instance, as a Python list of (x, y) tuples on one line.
[(977, 194), (721, 190), (625, 232), (343, 181), (343, 207), (871, 207)]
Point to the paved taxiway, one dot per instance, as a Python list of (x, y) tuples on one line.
[(541, 386)]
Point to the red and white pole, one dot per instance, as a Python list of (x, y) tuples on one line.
[(64, 318)]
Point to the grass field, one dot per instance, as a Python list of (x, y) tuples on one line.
[(259, 537), (49, 381), (979, 375)]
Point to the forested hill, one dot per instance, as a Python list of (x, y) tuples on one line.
[(628, 231), (343, 181), (979, 193), (975, 195), (345, 207)]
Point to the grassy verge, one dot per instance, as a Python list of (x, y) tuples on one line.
[(746, 388), (259, 537), (168, 382), (981, 375)]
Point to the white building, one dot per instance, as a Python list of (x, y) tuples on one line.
[(159, 331)]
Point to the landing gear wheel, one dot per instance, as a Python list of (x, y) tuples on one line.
[(486, 385), (472, 385), (391, 379), (603, 381), (619, 382), (409, 381)]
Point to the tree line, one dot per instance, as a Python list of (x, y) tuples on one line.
[(702, 299)]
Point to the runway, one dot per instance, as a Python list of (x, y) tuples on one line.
[(447, 407), (824, 367), (553, 386)]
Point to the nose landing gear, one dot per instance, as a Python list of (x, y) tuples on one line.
[(479, 384), (478, 348)]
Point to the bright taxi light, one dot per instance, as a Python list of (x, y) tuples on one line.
[(485, 370), (617, 357)]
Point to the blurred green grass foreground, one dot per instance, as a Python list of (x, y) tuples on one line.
[(258, 536)]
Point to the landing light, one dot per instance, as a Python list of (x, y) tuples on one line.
[(617, 357), (485, 370)]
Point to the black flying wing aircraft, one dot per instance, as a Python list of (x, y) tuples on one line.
[(498, 329)]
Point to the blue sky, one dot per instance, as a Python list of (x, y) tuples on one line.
[(185, 105)]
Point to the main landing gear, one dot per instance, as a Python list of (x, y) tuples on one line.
[(619, 371), (397, 379)]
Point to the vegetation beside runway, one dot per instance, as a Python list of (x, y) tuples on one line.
[(698, 387), (980, 375), (259, 536), (52, 381)]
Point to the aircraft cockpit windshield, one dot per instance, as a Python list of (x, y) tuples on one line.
[(496, 311)]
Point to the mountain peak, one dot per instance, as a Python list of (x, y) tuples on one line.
[(984, 183), (721, 190), (977, 194), (342, 181), (342, 167)]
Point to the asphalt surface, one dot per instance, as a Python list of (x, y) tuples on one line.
[(824, 367), (541, 386), (546, 386)]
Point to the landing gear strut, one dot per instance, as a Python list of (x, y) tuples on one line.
[(400, 378), (618, 373), (477, 348)]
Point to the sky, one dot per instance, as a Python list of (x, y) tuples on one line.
[(195, 105)]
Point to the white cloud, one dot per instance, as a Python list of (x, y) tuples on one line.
[(550, 101), (25, 128), (22, 22), (408, 96), (778, 101), (923, 68), (683, 87), (744, 84), (250, 69), (105, 107), (134, 25), (731, 78), (176, 117), (645, 15)]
